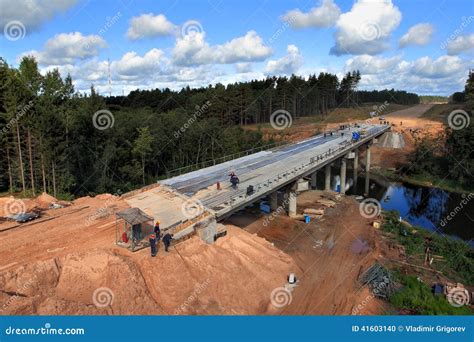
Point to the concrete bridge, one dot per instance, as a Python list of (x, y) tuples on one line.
[(262, 175), (269, 171)]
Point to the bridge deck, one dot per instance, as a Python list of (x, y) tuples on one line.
[(266, 170)]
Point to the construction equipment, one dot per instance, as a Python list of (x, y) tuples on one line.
[(355, 136)]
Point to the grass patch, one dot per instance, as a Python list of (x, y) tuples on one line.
[(458, 256), (417, 298), (341, 115), (440, 112)]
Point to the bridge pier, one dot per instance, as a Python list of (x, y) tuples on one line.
[(292, 203), (342, 190), (273, 201), (356, 167), (327, 177), (367, 170), (313, 180)]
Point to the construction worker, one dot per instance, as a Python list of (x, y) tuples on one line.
[(157, 231), (234, 180), (153, 248), (167, 240)]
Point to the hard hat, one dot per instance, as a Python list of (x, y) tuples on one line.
[(157, 222)]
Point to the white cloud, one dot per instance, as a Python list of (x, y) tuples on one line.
[(444, 66), (286, 65), (323, 16), (419, 34), (366, 28), (243, 67), (148, 26), (65, 48), (31, 13), (425, 75), (133, 66), (460, 44), (369, 65), (192, 49)]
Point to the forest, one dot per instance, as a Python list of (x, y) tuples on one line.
[(56, 139)]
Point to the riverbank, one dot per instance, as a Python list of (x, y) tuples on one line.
[(404, 253), (428, 181)]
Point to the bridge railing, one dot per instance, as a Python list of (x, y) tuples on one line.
[(223, 159)]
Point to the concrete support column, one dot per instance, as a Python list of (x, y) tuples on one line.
[(313, 180), (343, 176), (367, 170), (291, 203), (356, 167), (327, 177), (274, 201)]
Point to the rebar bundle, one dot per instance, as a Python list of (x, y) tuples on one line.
[(379, 280)]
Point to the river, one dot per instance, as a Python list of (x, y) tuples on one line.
[(439, 211)]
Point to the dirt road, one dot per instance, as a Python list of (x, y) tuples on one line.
[(412, 112)]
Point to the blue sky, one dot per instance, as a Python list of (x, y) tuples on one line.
[(417, 45)]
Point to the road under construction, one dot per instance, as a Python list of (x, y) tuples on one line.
[(182, 202)]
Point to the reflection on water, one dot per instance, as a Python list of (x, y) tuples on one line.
[(429, 208)]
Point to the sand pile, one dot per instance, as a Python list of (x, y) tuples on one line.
[(44, 200), (234, 276), (105, 197)]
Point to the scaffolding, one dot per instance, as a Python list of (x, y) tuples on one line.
[(135, 230)]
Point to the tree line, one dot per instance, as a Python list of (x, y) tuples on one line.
[(57, 140)]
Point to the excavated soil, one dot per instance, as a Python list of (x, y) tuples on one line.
[(67, 263), (331, 251)]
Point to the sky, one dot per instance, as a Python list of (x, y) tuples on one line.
[(422, 46)]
